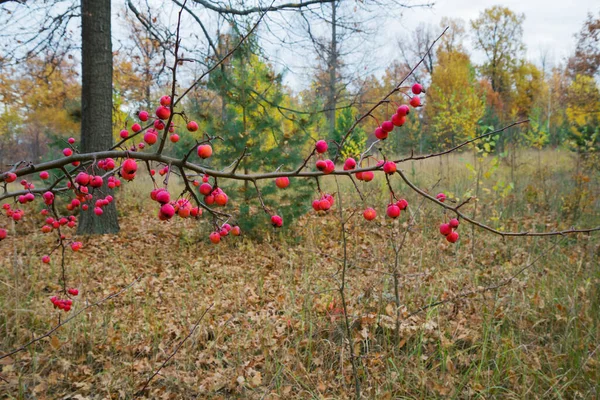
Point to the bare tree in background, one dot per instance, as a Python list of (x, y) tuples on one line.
[(586, 60)]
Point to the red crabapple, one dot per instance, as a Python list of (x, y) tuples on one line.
[(380, 133), (192, 126), (403, 110), (417, 88), (387, 126), (368, 176), (76, 246), (441, 197), (143, 116), (445, 229), (402, 204), (83, 179), (205, 189), (163, 112), (10, 177), (452, 237), (330, 166), (98, 211), (415, 101), (44, 175), (165, 100), (174, 138), (167, 211), (454, 223), (204, 151), (393, 211), (163, 197), (370, 214), (136, 127), (150, 137), (277, 221), (215, 237), (221, 199), (321, 146), (73, 292), (236, 231), (349, 164), (3, 233), (389, 167), (282, 182), (71, 140), (46, 259), (398, 120), (124, 134), (128, 169), (67, 152), (96, 181), (321, 165), (159, 125), (324, 205), (316, 205)]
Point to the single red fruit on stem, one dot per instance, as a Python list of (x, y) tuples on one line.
[(445, 229), (321, 146), (204, 151), (393, 211), (452, 237), (417, 88), (403, 110), (389, 167), (415, 101), (143, 116), (215, 237), (387, 126), (192, 126), (381, 134), (277, 221), (370, 214), (282, 182)]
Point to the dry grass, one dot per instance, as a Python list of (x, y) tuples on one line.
[(276, 329)]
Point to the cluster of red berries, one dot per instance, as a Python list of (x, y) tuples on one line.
[(324, 165), (449, 230), (182, 207), (15, 214), (64, 304), (225, 230), (324, 203), (52, 223), (399, 118), (107, 164), (68, 152), (394, 209), (100, 203), (128, 169)]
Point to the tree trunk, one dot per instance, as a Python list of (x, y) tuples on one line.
[(96, 105)]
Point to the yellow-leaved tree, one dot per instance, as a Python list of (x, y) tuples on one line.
[(454, 103)]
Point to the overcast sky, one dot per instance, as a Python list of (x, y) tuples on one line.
[(550, 25)]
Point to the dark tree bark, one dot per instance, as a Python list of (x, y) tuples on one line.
[(96, 104)]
